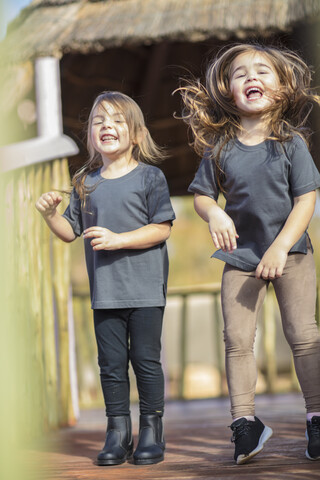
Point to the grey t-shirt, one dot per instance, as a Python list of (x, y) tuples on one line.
[(260, 184), (125, 278)]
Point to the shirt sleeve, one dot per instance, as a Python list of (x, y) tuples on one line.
[(73, 213), (204, 182), (304, 176), (158, 198)]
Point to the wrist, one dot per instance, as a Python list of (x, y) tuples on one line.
[(282, 244), (49, 215), (121, 241)]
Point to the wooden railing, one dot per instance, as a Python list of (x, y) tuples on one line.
[(267, 322), (35, 290)]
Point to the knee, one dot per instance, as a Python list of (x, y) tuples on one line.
[(302, 347), (238, 344), (112, 368), (144, 363)]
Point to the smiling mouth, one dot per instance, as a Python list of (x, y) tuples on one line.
[(108, 137), (254, 93)]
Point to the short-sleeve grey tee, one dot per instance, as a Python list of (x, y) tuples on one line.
[(260, 184), (125, 278)]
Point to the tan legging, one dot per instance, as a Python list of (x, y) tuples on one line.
[(242, 297)]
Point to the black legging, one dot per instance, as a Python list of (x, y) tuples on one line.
[(130, 334)]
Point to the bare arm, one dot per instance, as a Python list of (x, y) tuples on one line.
[(47, 206), (144, 237), (221, 226), (274, 260)]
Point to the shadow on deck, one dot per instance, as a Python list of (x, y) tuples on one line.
[(198, 445)]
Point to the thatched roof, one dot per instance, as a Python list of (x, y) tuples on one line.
[(55, 27), (142, 48)]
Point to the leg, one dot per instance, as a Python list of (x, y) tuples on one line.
[(296, 294), (112, 341), (145, 328), (242, 296), (145, 347)]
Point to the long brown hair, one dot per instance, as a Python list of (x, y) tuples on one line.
[(144, 150), (213, 118)]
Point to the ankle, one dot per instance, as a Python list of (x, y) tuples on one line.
[(250, 418), (312, 414)]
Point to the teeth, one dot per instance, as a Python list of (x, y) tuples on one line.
[(108, 137), (253, 89)]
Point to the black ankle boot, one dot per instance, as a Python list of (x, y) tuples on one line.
[(119, 444), (151, 443)]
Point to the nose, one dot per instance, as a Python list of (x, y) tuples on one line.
[(107, 123), (251, 76)]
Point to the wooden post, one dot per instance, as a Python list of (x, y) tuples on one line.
[(49, 336)]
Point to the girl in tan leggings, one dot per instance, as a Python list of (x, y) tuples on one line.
[(248, 125)]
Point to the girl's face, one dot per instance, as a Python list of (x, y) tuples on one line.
[(110, 134), (253, 82)]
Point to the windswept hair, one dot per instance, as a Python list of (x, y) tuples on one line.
[(145, 150), (213, 118)]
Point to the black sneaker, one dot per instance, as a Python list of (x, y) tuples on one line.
[(313, 437), (249, 438)]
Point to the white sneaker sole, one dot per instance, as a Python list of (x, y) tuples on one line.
[(266, 434)]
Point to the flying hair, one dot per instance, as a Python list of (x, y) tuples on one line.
[(210, 112)]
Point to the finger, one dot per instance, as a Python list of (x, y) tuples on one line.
[(215, 240), (95, 242), (221, 241), (92, 234), (235, 233), (98, 247), (259, 270), (49, 197), (234, 237), (93, 229), (272, 273), (232, 242), (279, 272), (40, 207), (227, 242)]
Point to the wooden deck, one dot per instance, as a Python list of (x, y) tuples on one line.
[(198, 445)]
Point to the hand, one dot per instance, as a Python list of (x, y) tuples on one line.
[(223, 231), (272, 263), (103, 239), (47, 203)]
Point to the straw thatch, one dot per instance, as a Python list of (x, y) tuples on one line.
[(142, 48), (55, 27)]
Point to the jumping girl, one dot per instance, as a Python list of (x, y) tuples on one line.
[(248, 124), (122, 207)]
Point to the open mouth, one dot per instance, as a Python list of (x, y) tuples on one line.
[(254, 93), (107, 138)]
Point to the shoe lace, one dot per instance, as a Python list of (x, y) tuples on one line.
[(314, 429), (239, 430)]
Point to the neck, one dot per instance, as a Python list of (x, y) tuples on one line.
[(117, 168), (253, 130)]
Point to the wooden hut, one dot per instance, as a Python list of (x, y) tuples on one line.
[(143, 47)]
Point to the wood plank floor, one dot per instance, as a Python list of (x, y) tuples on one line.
[(198, 445)]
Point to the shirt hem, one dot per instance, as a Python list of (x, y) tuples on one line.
[(128, 304)]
